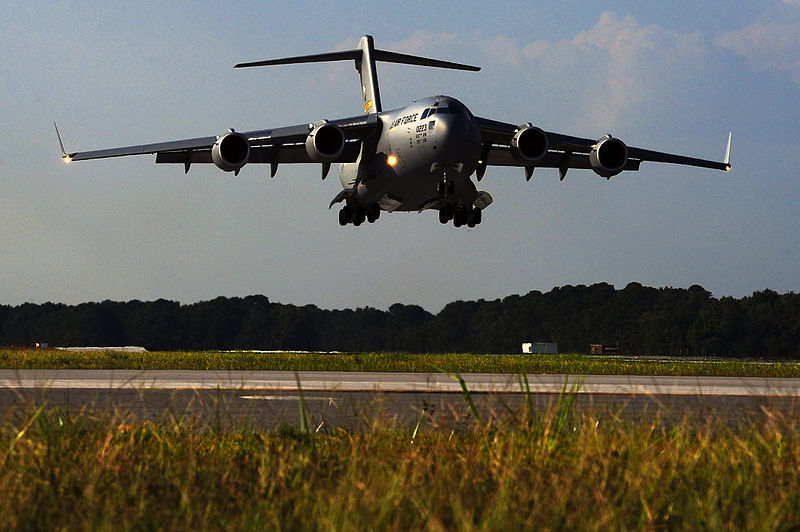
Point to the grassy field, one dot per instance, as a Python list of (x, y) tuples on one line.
[(568, 364), (539, 469), (545, 470)]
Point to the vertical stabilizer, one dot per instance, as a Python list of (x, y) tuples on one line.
[(369, 75)]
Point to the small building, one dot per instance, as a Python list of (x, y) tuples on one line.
[(539, 348)]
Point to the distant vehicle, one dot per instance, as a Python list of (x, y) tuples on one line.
[(540, 348), (602, 349), (415, 158)]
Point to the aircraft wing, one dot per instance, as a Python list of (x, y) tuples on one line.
[(279, 145), (565, 152)]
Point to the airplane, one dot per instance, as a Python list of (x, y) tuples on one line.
[(415, 158)]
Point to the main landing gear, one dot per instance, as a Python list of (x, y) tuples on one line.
[(460, 215), (457, 213), (358, 214)]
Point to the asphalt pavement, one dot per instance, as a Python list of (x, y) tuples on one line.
[(268, 399)]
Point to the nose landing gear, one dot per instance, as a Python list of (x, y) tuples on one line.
[(446, 186)]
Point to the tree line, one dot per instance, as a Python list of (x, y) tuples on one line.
[(640, 320)]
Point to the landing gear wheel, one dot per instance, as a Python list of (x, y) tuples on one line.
[(359, 216), (443, 215), (474, 217), (345, 215), (460, 217), (373, 213)]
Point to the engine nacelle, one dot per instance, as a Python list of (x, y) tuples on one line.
[(529, 144), (608, 156), (325, 143), (230, 151)]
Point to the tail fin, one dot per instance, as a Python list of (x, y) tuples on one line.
[(365, 57), (369, 75)]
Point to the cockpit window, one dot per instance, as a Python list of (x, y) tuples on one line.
[(458, 107), (455, 108)]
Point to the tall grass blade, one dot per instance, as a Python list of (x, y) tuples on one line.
[(525, 385), (305, 414), (564, 411), (467, 395), (423, 412), (36, 414)]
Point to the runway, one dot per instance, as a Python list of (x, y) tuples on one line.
[(398, 382), (267, 399)]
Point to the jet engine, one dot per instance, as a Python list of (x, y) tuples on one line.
[(325, 143), (608, 156), (529, 144), (230, 151)]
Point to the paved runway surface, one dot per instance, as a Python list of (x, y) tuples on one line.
[(268, 399), (397, 382)]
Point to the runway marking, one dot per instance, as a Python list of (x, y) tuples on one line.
[(282, 398)]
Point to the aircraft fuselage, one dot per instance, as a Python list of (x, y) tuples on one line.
[(430, 142)]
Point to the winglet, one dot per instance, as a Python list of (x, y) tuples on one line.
[(727, 160), (64, 155)]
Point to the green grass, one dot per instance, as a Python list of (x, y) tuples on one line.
[(451, 363), (547, 470)]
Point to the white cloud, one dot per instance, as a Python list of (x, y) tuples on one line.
[(421, 42), (771, 46), (504, 50), (616, 65)]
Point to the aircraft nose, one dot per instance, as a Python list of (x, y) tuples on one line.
[(457, 138)]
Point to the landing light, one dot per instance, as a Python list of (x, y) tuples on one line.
[(391, 160), (67, 159)]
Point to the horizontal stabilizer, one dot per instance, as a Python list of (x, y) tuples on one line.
[(365, 57), (394, 57), (379, 55), (316, 58)]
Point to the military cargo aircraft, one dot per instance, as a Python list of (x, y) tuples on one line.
[(418, 157)]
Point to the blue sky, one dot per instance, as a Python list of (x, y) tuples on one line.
[(668, 76)]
